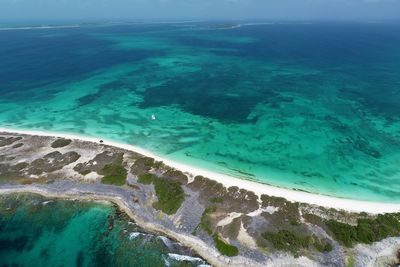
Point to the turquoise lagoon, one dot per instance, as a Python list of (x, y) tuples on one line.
[(309, 106), (35, 231)]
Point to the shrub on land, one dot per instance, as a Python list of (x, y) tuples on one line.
[(224, 248), (169, 192), (287, 241), (114, 174), (61, 143), (146, 178), (170, 195), (367, 230)]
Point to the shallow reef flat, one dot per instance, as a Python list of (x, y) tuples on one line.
[(225, 226), (58, 232), (291, 105)]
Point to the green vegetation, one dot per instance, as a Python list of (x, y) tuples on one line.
[(176, 175), (350, 261), (170, 195), (314, 219), (146, 178), (142, 165), (287, 241), (148, 162), (367, 230), (273, 201), (216, 200), (205, 222), (158, 164), (169, 192), (294, 222), (61, 143), (213, 188), (343, 232), (287, 214), (323, 246), (224, 248), (114, 174)]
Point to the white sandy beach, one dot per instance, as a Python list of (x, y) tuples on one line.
[(226, 180)]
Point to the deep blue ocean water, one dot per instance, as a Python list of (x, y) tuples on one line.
[(311, 106)]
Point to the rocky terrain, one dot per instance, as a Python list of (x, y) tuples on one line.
[(226, 226)]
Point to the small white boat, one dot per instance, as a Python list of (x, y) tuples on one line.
[(153, 117)]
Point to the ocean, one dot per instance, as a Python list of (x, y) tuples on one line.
[(36, 231), (309, 106)]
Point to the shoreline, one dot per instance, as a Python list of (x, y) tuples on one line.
[(199, 247), (259, 189)]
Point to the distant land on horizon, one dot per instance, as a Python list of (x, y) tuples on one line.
[(263, 142)]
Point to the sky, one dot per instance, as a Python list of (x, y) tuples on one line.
[(23, 10)]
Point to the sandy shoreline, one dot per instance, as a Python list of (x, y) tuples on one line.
[(226, 180)]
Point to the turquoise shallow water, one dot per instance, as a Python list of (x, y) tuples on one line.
[(308, 106), (35, 231)]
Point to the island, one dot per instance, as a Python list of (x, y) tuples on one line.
[(224, 224)]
